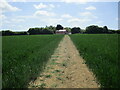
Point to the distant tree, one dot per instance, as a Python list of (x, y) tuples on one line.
[(59, 27), (75, 30), (105, 29), (112, 31), (100, 30), (68, 29), (82, 31), (118, 31), (46, 31), (50, 28), (34, 31), (94, 29), (7, 33), (31, 31), (0, 33), (20, 33)]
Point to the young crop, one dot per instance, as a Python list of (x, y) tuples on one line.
[(100, 52), (24, 57)]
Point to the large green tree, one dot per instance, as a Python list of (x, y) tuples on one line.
[(33, 31), (95, 29), (59, 27), (68, 29), (75, 30), (105, 29)]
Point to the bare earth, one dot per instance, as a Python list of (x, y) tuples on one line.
[(65, 69)]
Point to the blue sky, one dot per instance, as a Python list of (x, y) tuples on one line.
[(20, 16)]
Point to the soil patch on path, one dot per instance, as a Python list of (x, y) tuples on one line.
[(65, 69)]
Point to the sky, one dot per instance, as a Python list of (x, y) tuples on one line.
[(20, 16)]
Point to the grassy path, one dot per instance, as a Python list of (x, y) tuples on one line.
[(65, 69)]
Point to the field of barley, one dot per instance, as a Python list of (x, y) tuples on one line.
[(100, 52), (24, 57)]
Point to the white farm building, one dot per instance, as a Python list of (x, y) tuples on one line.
[(61, 31)]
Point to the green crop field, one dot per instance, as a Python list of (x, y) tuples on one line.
[(100, 52), (24, 57)]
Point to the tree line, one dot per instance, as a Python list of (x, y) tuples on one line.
[(9, 33), (93, 29)]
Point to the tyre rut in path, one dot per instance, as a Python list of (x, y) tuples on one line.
[(65, 69)]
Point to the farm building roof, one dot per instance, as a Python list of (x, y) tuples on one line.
[(61, 30)]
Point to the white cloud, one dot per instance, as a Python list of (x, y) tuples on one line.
[(91, 8), (74, 20), (58, 5), (85, 1), (85, 13), (43, 17), (117, 19), (17, 20), (66, 16), (26, 17), (41, 6), (18, 0), (6, 22), (99, 22), (44, 13), (75, 1), (67, 1), (5, 6), (52, 21), (52, 6), (2, 17), (80, 20), (88, 15), (10, 22)]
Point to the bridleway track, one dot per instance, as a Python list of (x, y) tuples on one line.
[(65, 69)]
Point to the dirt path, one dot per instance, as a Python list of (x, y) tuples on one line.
[(65, 69)]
